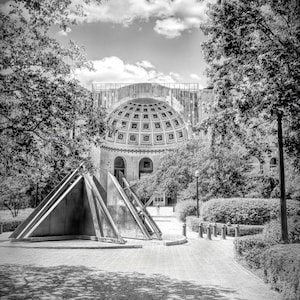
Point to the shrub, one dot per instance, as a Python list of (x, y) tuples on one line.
[(10, 225), (272, 230), (281, 268), (193, 224), (186, 208), (248, 211), (250, 248)]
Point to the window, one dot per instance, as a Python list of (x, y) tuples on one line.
[(180, 134), (132, 138), (159, 137), (168, 124), (155, 116), (273, 163), (120, 136), (152, 109), (119, 113), (157, 125), (171, 136), (164, 115), (147, 164), (136, 116), (131, 108), (146, 126), (146, 116), (146, 138), (145, 109), (170, 113), (138, 109), (134, 125), (127, 115), (176, 122), (124, 124)]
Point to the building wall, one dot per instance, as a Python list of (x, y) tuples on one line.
[(131, 159)]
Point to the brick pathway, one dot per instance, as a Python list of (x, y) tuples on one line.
[(200, 269)]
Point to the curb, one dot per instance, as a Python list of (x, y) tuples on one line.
[(75, 248), (178, 242)]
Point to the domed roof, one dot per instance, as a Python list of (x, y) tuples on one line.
[(145, 123)]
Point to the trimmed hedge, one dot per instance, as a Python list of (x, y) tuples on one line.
[(272, 230), (246, 211), (185, 208), (193, 224), (278, 263), (250, 248), (281, 268), (10, 225)]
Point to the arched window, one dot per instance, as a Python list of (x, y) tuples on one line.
[(273, 163), (145, 166), (119, 169), (256, 165)]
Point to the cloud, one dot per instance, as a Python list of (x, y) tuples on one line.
[(145, 64), (172, 17), (195, 76), (171, 27), (176, 76), (113, 69), (64, 31)]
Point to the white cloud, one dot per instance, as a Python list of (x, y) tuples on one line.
[(195, 76), (113, 69), (64, 31), (171, 27), (173, 17), (176, 76), (145, 64)]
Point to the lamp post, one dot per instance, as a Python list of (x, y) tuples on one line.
[(197, 173)]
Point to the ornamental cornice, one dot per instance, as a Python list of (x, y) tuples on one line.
[(135, 151)]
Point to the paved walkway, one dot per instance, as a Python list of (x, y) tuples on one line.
[(199, 269)]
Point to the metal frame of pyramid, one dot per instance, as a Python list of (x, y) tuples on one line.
[(73, 210), (127, 209), (141, 209), (79, 208)]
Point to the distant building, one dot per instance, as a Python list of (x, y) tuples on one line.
[(145, 120)]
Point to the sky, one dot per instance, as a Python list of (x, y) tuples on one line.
[(141, 41)]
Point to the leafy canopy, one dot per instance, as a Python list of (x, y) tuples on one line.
[(47, 120), (253, 52)]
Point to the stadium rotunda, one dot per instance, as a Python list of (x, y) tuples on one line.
[(147, 119), (141, 130), (144, 120)]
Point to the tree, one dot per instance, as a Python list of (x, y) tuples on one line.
[(253, 52), (223, 173), (47, 120)]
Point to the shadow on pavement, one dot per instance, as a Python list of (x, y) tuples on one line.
[(64, 282)]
